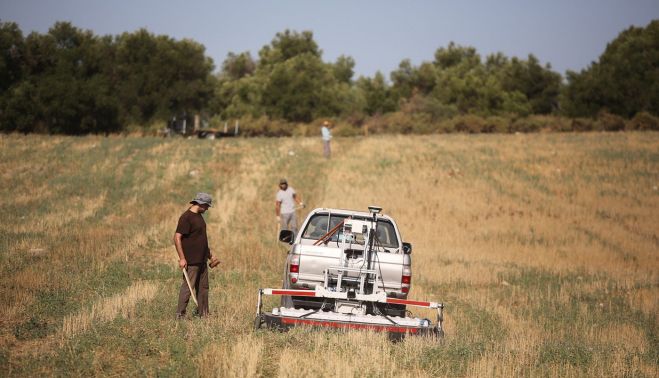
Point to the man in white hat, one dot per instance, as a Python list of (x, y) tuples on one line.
[(191, 244), (285, 201), (326, 135)]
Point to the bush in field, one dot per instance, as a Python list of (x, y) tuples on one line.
[(263, 126), (497, 124), (390, 123), (468, 124), (423, 124), (583, 124), (345, 129), (525, 125), (559, 123), (473, 124), (609, 122), (402, 123), (643, 121), (445, 126), (373, 125), (304, 129), (540, 123)]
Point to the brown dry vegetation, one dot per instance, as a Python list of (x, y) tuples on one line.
[(544, 248)]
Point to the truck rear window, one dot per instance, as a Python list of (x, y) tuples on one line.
[(320, 224)]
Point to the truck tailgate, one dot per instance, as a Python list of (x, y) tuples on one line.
[(315, 259), (390, 268)]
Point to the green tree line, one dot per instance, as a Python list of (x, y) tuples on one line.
[(71, 81)]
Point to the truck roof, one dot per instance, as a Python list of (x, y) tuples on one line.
[(357, 213)]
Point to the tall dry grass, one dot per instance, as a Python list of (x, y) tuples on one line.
[(122, 304), (542, 246), (239, 359)]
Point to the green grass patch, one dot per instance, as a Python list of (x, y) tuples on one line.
[(570, 352)]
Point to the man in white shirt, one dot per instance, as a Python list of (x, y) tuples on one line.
[(326, 135), (285, 201)]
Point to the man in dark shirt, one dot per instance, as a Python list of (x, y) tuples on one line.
[(191, 244)]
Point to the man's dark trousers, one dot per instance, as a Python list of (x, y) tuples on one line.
[(198, 274)]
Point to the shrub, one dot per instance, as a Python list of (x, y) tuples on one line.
[(445, 126), (278, 128), (479, 124), (535, 123), (643, 121), (582, 124), (609, 122), (356, 119), (423, 124), (524, 125), (468, 124), (305, 129), (496, 124), (374, 124), (346, 129), (263, 126), (397, 123), (400, 123), (558, 123)]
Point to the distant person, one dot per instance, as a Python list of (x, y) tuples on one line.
[(285, 201), (191, 244), (326, 135)]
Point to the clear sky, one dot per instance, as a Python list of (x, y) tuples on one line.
[(378, 34)]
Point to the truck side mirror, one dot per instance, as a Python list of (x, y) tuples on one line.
[(286, 236), (407, 248)]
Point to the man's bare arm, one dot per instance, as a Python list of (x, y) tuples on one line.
[(179, 249)]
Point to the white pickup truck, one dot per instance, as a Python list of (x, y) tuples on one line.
[(335, 247)]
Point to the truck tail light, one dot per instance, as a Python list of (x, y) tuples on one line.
[(294, 268), (406, 281)]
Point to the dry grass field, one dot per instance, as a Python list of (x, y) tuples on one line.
[(544, 248)]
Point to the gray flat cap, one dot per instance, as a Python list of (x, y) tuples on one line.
[(203, 199)]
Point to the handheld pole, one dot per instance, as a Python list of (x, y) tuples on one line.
[(187, 280)]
